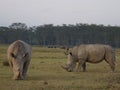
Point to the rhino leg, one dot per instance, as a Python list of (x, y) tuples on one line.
[(112, 65), (111, 62), (110, 58), (81, 63), (84, 67), (25, 68)]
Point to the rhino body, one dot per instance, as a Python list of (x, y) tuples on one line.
[(92, 53), (19, 56)]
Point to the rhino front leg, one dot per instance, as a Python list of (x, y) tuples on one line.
[(25, 68), (84, 67), (81, 63)]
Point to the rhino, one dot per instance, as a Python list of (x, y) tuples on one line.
[(19, 56), (91, 53)]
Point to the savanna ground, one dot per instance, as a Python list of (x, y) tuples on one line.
[(45, 73)]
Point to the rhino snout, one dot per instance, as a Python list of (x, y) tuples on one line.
[(18, 75), (64, 67)]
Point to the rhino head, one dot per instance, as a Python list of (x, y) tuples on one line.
[(18, 63), (70, 63)]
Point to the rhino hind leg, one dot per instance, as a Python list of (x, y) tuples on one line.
[(110, 58), (111, 63), (113, 67)]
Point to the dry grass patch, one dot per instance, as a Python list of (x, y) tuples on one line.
[(45, 73)]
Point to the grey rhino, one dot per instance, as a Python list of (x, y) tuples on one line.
[(19, 56), (92, 53)]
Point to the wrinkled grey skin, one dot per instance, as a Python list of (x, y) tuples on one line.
[(19, 56), (92, 53)]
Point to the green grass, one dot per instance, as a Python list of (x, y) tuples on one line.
[(45, 73)]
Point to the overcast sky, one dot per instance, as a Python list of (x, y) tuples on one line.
[(39, 12)]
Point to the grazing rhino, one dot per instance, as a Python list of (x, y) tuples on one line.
[(92, 53), (19, 55)]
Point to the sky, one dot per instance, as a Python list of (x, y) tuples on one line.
[(58, 12)]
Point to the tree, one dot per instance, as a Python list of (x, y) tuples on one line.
[(66, 35), (18, 26)]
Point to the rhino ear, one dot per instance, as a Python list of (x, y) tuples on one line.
[(70, 53), (65, 53), (13, 55)]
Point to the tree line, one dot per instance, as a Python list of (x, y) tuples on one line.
[(64, 35)]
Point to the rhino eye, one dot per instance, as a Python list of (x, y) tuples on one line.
[(13, 55)]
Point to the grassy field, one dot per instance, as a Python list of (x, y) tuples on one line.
[(45, 73)]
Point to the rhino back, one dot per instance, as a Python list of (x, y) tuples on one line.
[(93, 53), (19, 46), (96, 53)]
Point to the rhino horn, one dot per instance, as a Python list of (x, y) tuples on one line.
[(64, 67)]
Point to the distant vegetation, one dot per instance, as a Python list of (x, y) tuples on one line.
[(64, 35)]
